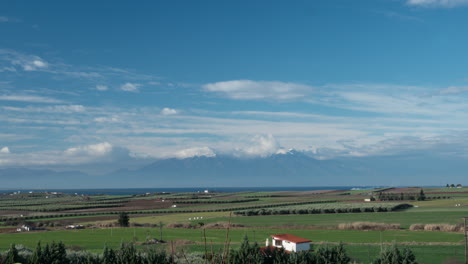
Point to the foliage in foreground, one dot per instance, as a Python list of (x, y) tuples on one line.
[(394, 255), (248, 253)]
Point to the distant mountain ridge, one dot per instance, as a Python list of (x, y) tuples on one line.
[(291, 168)]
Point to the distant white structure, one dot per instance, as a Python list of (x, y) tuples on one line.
[(174, 206), (367, 200), (24, 228), (289, 242), (74, 227), (206, 191)]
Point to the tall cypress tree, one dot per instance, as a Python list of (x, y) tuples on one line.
[(36, 257), (124, 219), (108, 256), (12, 255), (421, 196)]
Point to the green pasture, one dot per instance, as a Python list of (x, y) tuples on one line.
[(404, 218), (169, 218), (443, 203), (362, 245), (424, 254), (79, 218), (95, 239)]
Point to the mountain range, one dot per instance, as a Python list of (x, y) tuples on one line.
[(291, 168)]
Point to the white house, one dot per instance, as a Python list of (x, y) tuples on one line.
[(290, 242), (24, 228)]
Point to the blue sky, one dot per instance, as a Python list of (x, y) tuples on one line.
[(84, 81)]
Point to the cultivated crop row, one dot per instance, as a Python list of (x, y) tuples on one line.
[(326, 208)]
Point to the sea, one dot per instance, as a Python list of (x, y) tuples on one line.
[(136, 191)]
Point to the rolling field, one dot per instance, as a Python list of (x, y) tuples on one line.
[(361, 244), (329, 220), (196, 211)]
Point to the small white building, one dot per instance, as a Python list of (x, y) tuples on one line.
[(24, 228), (290, 242)]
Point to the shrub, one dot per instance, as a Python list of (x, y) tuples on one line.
[(368, 226)]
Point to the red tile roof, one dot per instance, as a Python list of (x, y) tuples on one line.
[(291, 238)]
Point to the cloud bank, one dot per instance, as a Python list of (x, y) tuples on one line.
[(255, 90), (195, 152), (438, 3)]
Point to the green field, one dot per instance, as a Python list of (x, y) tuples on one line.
[(328, 220), (362, 243), (195, 210)]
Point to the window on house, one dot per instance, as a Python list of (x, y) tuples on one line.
[(278, 243)]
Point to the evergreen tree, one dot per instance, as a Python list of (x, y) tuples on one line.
[(46, 255), (341, 255), (394, 256), (36, 257), (408, 257), (108, 256), (246, 254), (93, 259), (124, 219), (12, 255), (58, 253), (128, 254), (154, 256), (421, 196)]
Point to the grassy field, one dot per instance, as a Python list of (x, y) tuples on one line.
[(405, 219), (429, 247), (95, 239), (172, 218), (362, 244)]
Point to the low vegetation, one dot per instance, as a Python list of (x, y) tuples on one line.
[(368, 226), (408, 216), (437, 227), (247, 253), (327, 209)]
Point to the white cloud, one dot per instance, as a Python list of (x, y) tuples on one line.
[(100, 149), (5, 150), (130, 87), (33, 64), (85, 154), (195, 152), (102, 88), (437, 3), (169, 111), (8, 69), (454, 90), (111, 119), (262, 146), (49, 109), (29, 99), (255, 90)]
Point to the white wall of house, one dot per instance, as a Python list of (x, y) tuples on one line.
[(289, 246)]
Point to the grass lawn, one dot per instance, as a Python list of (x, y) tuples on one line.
[(405, 218), (170, 218), (95, 239)]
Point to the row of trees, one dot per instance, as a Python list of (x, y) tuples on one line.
[(248, 253), (421, 196), (453, 185), (329, 210), (3, 219), (215, 201)]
